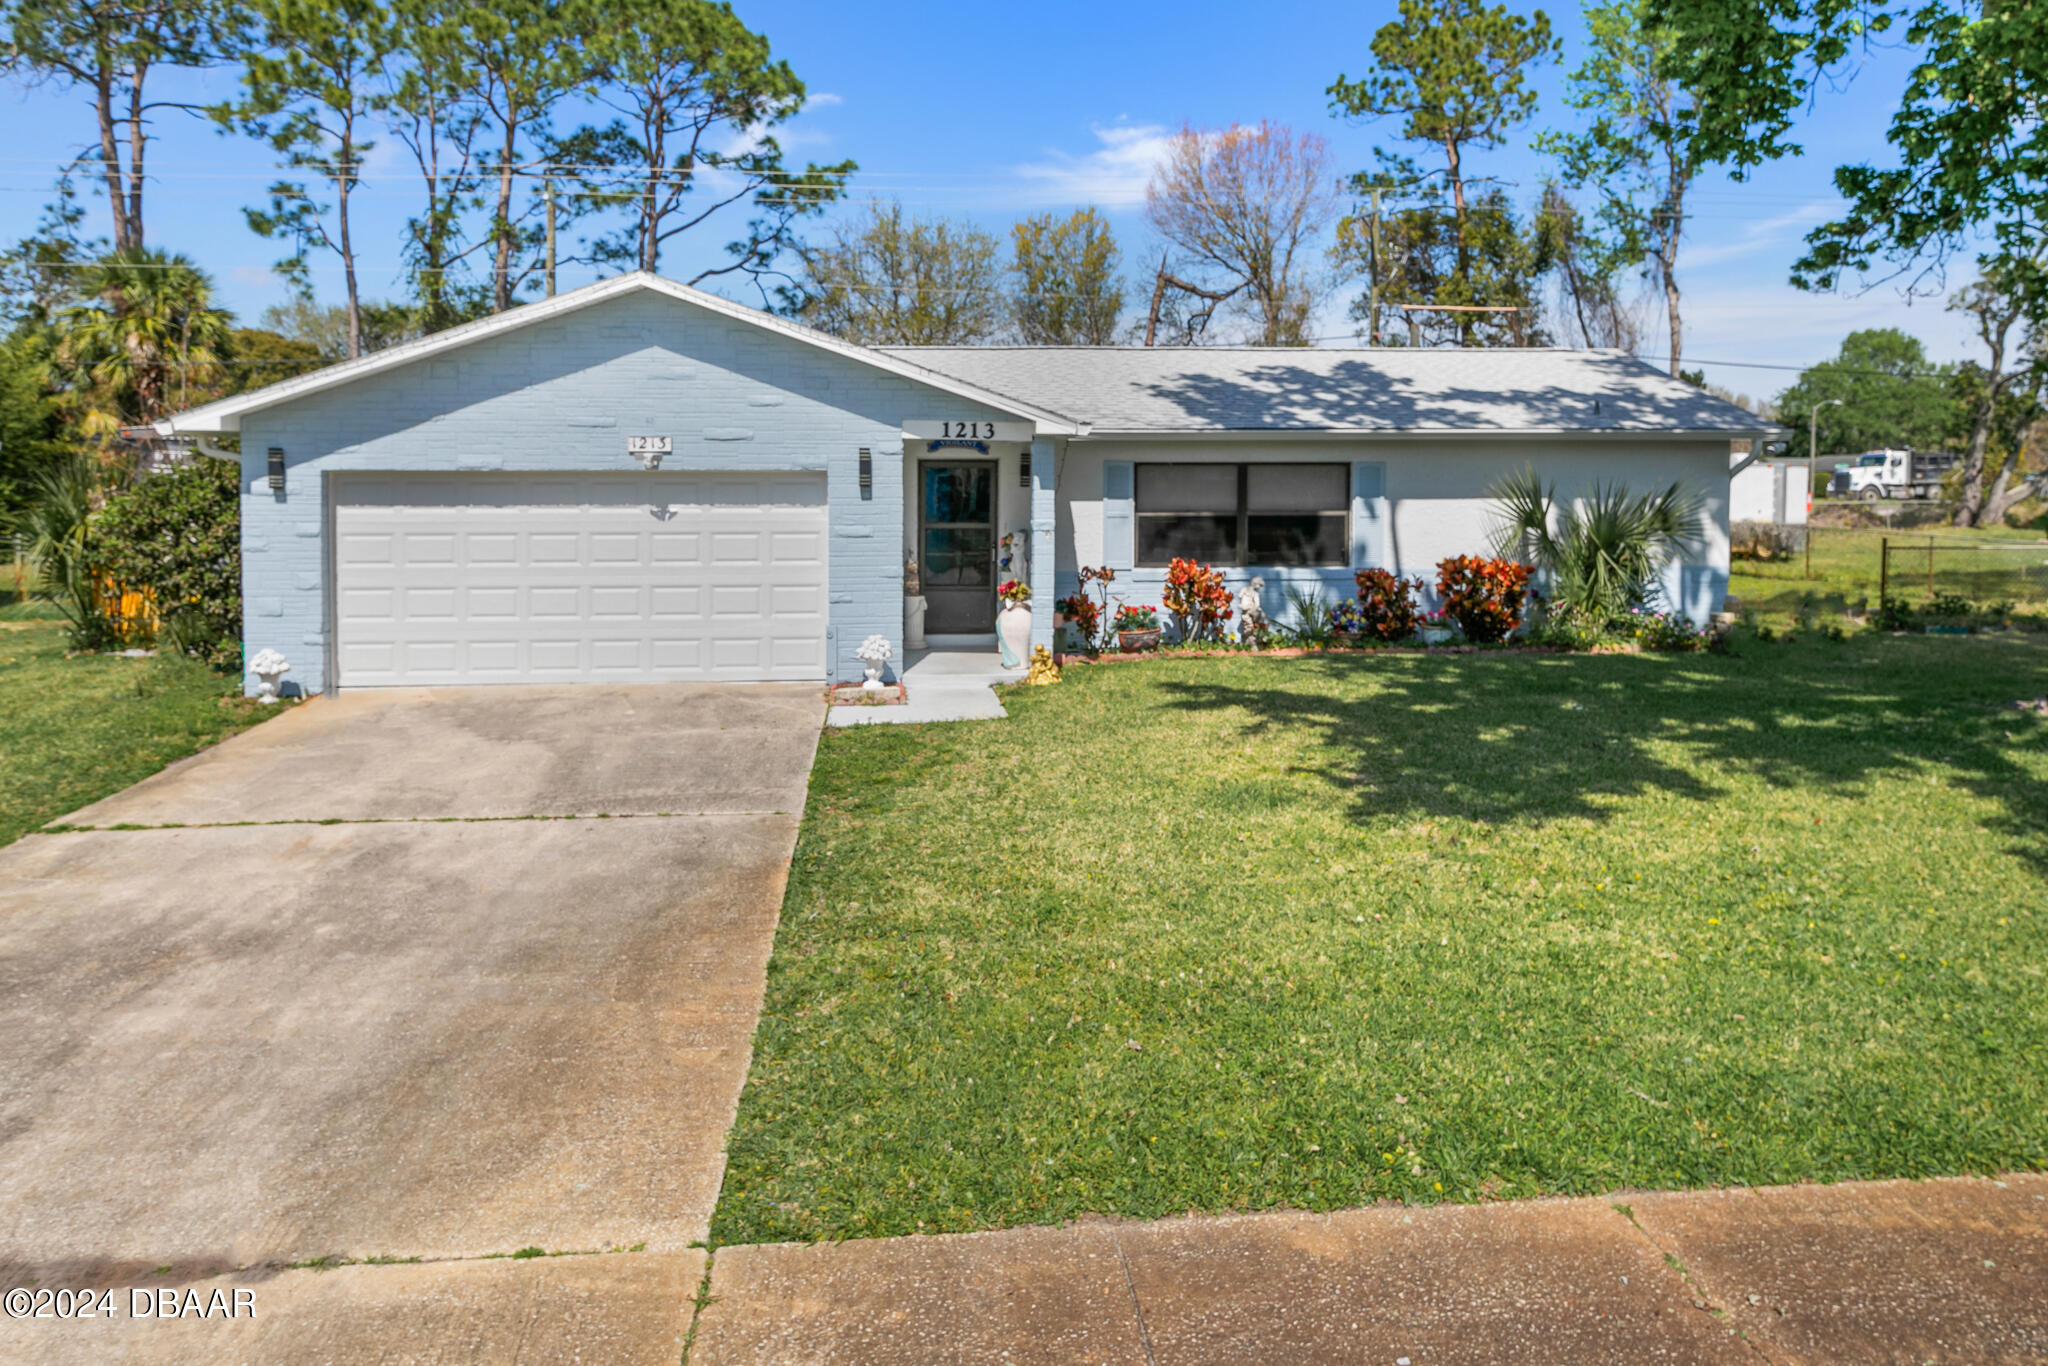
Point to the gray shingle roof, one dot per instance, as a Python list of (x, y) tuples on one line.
[(1184, 389)]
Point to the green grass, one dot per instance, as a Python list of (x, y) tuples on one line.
[(74, 730), (1845, 571), (1231, 933)]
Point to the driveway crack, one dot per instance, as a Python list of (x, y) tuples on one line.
[(1131, 1288), (1704, 1298)]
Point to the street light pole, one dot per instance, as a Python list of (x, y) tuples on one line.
[(1812, 450)]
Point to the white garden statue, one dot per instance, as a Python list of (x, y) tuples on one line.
[(268, 666), (1251, 612), (874, 652)]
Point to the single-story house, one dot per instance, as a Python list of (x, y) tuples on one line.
[(637, 481)]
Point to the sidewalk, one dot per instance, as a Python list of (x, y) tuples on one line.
[(1897, 1271)]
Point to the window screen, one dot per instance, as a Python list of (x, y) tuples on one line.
[(1187, 512), (1298, 514), (1244, 514)]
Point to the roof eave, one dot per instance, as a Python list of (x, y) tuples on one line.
[(226, 415)]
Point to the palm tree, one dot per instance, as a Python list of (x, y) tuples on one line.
[(1601, 554), (147, 340)]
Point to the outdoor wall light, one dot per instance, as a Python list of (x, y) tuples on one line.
[(1024, 468), (277, 469), (867, 468)]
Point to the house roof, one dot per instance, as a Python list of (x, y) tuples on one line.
[(1137, 390), (226, 415), (1163, 390)]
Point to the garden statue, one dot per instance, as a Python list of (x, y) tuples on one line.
[(268, 666), (1013, 557), (1251, 615), (1043, 669), (874, 652), (914, 604)]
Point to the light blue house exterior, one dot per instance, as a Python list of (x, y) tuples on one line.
[(470, 507)]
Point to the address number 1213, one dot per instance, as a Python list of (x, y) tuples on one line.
[(976, 431)]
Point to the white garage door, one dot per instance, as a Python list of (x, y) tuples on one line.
[(569, 578)]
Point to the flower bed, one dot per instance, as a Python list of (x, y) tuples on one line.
[(854, 695)]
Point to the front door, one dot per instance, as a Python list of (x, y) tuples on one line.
[(957, 547)]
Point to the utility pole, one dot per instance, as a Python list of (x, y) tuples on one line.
[(1812, 449), (547, 192)]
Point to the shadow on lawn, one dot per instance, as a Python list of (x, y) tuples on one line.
[(1515, 738)]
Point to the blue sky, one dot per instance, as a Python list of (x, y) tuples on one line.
[(990, 112)]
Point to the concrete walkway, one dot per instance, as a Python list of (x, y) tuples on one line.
[(940, 685), (1906, 1272)]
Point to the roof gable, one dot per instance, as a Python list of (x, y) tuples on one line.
[(226, 414)]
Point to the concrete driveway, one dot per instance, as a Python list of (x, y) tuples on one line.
[(436, 975)]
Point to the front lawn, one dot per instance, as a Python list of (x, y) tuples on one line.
[(1235, 933), (74, 730)]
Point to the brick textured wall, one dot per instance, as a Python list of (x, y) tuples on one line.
[(563, 395)]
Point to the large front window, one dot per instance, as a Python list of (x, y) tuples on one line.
[(1264, 514)]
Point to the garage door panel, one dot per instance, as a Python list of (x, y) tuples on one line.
[(515, 577)]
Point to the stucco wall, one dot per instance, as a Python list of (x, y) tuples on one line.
[(1436, 495), (564, 395)]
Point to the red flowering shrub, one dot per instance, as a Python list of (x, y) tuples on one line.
[(1086, 614), (1484, 597), (1196, 599), (1386, 605)]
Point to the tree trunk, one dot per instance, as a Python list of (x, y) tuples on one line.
[(1670, 269), (2005, 491), (138, 139), (348, 256), (1152, 315), (1972, 504), (501, 268), (1454, 163), (110, 154)]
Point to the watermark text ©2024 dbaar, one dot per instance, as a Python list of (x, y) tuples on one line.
[(161, 1302)]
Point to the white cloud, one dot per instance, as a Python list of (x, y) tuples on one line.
[(823, 100), (1758, 232), (1112, 176)]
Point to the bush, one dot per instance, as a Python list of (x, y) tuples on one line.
[(178, 536), (1196, 600), (1671, 631), (1386, 605), (1483, 596), (1312, 625), (58, 532), (1567, 627)]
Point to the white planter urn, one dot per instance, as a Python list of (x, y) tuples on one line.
[(874, 652), (1013, 633), (269, 666)]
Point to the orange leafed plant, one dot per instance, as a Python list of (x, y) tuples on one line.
[(1483, 596)]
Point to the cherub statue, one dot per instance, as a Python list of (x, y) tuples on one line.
[(1251, 614)]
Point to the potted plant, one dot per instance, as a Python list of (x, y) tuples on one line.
[(1013, 623), (1137, 628), (1437, 628), (1347, 624)]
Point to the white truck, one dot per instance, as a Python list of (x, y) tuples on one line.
[(1893, 474)]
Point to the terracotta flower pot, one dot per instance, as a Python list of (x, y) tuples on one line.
[(1137, 642)]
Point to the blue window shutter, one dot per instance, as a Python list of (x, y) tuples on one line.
[(1118, 539), (1368, 515)]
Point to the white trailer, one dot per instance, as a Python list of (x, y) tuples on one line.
[(1769, 491)]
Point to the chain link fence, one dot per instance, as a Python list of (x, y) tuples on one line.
[(1784, 572), (1958, 576)]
